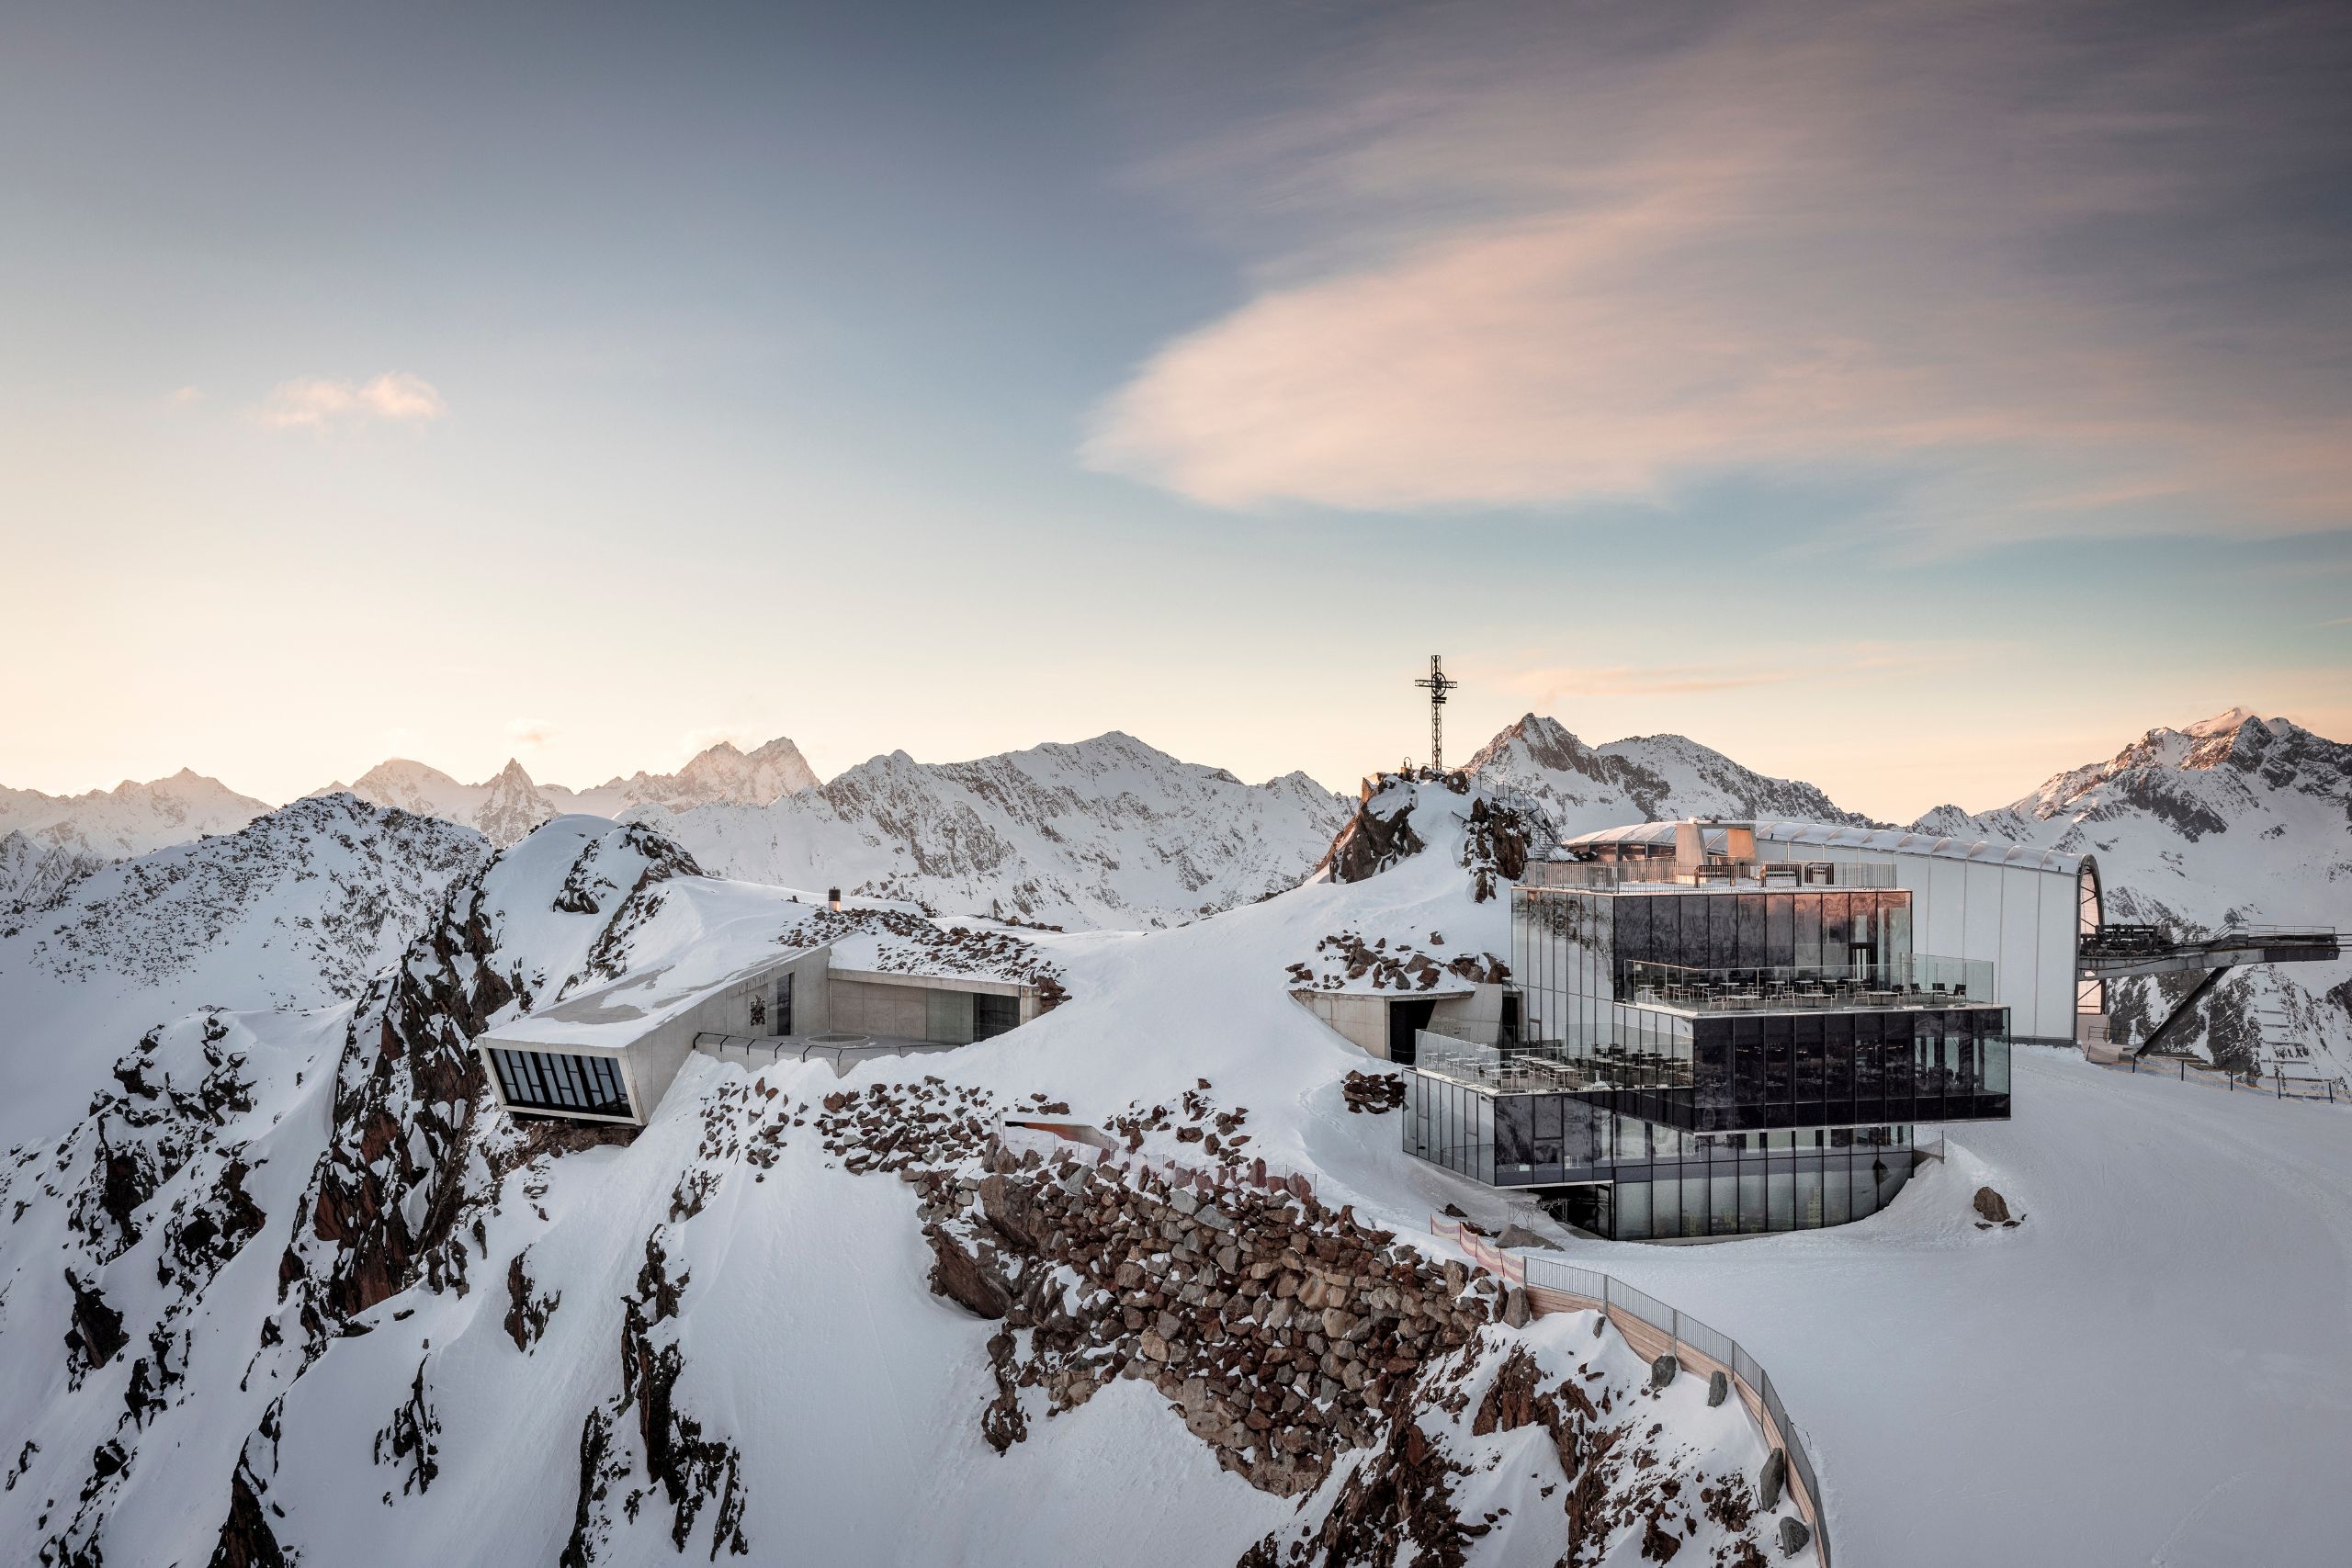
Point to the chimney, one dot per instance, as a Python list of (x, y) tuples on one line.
[(833, 899)]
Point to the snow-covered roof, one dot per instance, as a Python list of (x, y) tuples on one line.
[(614, 1015), (1870, 841)]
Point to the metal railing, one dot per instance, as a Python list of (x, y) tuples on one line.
[(2186, 1070), (1748, 876), (1917, 980), (1544, 1066), (1687, 1338)]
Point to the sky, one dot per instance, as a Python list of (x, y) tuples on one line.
[(1914, 398)]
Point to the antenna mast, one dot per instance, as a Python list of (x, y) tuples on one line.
[(1437, 684)]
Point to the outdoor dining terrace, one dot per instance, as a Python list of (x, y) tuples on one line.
[(1546, 1066), (1912, 981)]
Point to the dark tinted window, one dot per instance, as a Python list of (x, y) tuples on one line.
[(559, 1081)]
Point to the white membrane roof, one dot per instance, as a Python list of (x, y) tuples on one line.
[(1830, 837)]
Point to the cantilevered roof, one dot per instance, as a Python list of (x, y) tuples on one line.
[(1830, 837)]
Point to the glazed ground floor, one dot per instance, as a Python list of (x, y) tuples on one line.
[(1742, 1191), (1601, 1166)]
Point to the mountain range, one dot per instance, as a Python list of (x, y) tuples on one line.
[(279, 1285), (2232, 818)]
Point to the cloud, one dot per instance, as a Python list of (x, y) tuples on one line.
[(316, 403), (530, 731), (2021, 258)]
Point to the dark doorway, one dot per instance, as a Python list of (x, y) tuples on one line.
[(993, 1015), (1404, 1018), (784, 1004)]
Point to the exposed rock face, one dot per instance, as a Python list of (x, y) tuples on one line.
[(1377, 836), (1301, 1346)]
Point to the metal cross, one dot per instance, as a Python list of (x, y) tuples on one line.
[(1437, 684)]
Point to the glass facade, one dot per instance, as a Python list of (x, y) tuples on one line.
[(1619, 1174), (1775, 1088), (558, 1081)]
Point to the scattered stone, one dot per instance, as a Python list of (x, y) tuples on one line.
[(1774, 1476), (1718, 1389), (1793, 1536), (1663, 1371), (1373, 1093), (1521, 1237)]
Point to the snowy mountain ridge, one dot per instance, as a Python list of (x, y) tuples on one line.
[(128, 819), (2236, 819), (1647, 778), (1107, 832), (510, 804), (296, 909)]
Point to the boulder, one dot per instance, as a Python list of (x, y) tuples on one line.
[(1516, 1312), (1519, 1236), (1793, 1536), (1718, 1389), (1991, 1206), (959, 1276), (1774, 1475), (1663, 1370)]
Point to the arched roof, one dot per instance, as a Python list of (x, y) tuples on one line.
[(1869, 840)]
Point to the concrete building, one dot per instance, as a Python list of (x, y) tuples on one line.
[(1387, 1023), (609, 1055)]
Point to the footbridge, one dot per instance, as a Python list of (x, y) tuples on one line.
[(2125, 952)]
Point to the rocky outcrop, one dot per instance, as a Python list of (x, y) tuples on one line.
[(1280, 1329), (1373, 1093)]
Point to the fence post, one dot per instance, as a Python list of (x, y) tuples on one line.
[(1674, 1334)]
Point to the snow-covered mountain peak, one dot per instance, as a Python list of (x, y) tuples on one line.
[(2226, 723), (1643, 778), (130, 818)]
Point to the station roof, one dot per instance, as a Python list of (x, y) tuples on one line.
[(621, 1012), (1830, 837)]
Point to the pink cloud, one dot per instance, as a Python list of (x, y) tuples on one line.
[(1533, 277), (314, 403)]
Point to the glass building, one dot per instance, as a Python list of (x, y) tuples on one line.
[(1717, 1050)]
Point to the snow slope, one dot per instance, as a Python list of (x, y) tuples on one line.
[(2155, 1368), (2236, 819), (1106, 832), (128, 819), (297, 910), (1644, 779)]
